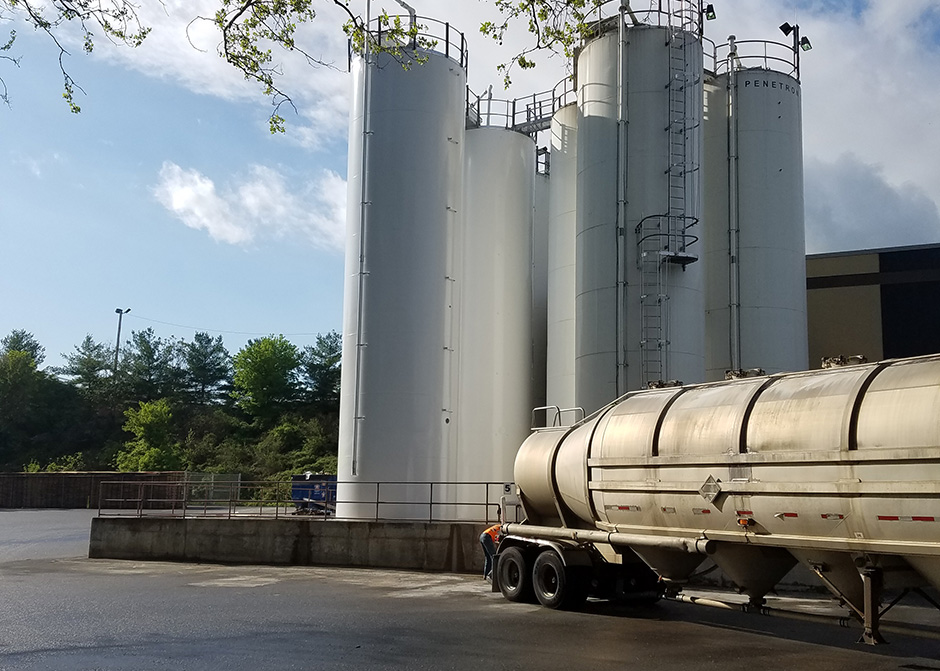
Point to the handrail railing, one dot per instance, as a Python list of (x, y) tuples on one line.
[(527, 114), (557, 416), (679, 14), (564, 93), (757, 54), (389, 500), (429, 35)]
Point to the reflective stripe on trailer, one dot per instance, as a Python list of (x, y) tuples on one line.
[(906, 518), (832, 516)]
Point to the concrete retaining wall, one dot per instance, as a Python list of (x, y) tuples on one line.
[(424, 546)]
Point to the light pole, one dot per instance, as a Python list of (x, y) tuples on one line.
[(799, 44), (117, 343)]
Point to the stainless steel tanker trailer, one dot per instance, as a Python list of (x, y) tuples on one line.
[(835, 469)]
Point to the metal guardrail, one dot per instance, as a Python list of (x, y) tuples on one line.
[(528, 114), (753, 54), (390, 501)]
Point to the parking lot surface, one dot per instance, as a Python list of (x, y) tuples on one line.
[(68, 612)]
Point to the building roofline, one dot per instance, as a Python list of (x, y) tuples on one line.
[(875, 250)]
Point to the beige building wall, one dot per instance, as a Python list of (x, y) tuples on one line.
[(843, 301)]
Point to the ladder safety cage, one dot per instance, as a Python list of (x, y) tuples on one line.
[(663, 241)]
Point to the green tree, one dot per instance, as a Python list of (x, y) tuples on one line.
[(19, 381), (266, 376), (217, 441), (41, 417), (207, 368), (21, 340), (67, 462), (321, 368), (151, 367), (154, 447), (293, 445), (88, 368)]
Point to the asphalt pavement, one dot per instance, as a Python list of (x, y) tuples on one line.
[(62, 611)]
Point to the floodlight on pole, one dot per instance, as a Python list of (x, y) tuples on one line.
[(799, 43), (117, 343)]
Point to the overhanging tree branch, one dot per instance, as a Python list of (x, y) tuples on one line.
[(557, 25), (250, 29), (117, 21)]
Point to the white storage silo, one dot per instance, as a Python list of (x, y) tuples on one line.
[(494, 290), (639, 297), (755, 245), (405, 180), (561, 258)]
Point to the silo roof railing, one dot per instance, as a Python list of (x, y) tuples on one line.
[(526, 115), (678, 14), (564, 94), (758, 54), (430, 35)]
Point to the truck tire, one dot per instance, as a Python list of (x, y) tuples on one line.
[(514, 576), (557, 585)]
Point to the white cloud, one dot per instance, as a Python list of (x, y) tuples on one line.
[(37, 164), (260, 205), (870, 134), (850, 205), (867, 83), (183, 48)]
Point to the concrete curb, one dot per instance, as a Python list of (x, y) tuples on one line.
[(425, 546)]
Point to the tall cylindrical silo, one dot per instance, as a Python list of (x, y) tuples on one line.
[(755, 245), (561, 258), (494, 289), (405, 181), (639, 297)]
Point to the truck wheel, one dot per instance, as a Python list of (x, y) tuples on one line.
[(513, 575), (558, 586)]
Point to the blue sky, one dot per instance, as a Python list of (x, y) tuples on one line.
[(168, 195)]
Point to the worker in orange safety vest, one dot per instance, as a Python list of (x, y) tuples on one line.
[(489, 539)]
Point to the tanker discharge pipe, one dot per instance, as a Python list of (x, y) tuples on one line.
[(690, 545)]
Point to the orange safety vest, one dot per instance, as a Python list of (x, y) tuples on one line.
[(493, 533)]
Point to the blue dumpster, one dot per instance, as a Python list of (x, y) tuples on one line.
[(313, 494)]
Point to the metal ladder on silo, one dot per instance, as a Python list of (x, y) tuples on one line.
[(653, 296), (662, 239)]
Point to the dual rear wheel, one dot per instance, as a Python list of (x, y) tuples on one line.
[(547, 580)]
